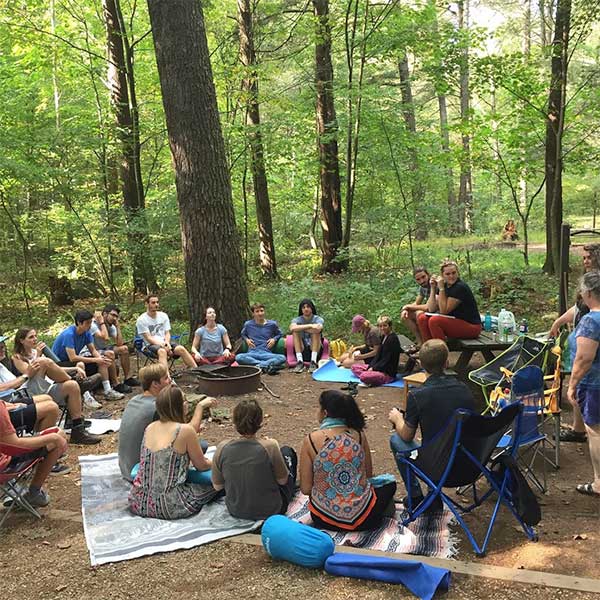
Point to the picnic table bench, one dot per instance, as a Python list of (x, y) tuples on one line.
[(487, 343)]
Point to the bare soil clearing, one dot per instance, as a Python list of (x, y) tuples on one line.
[(49, 558)]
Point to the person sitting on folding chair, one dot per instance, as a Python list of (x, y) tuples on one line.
[(428, 407), (154, 327), (51, 446), (68, 348)]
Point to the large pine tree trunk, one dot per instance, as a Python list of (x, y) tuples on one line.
[(465, 193), (259, 175), (213, 265), (408, 112), (554, 130), (124, 102), (327, 132)]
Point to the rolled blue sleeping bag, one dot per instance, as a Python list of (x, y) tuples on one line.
[(284, 539)]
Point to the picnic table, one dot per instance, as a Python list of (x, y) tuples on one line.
[(487, 343)]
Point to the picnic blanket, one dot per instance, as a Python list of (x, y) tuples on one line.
[(113, 534), (428, 535), (330, 372)]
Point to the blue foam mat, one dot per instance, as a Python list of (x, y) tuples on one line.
[(331, 373)]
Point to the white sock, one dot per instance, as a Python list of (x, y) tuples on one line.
[(299, 357), (106, 386), (313, 357)]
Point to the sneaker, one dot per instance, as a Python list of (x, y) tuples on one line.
[(132, 382), (123, 388), (60, 469), (313, 367), (90, 402), (113, 395), (79, 435), (37, 499), (90, 383), (298, 368)]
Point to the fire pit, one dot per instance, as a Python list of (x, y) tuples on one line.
[(219, 380)]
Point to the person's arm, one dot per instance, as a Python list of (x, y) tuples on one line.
[(14, 383), (226, 345), (196, 420), (432, 303), (446, 304), (367, 451), (564, 319), (280, 469), (193, 449), (586, 351), (406, 432), (119, 336), (94, 358), (216, 476), (196, 345), (102, 327), (370, 354), (49, 441), (306, 468)]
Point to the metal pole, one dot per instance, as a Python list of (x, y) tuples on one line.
[(565, 245)]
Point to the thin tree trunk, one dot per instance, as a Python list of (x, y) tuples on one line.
[(554, 131), (526, 45), (124, 102), (327, 134), (465, 194), (408, 112), (259, 176), (354, 116), (214, 272)]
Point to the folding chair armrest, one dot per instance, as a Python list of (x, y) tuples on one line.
[(11, 450), (49, 430)]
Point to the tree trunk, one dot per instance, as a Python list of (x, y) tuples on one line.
[(327, 133), (213, 265), (259, 175), (526, 45), (465, 194), (408, 112), (554, 130), (124, 102)]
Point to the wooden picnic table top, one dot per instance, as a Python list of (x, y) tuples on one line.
[(487, 340)]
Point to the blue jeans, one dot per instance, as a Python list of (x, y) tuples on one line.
[(260, 358), (399, 446)]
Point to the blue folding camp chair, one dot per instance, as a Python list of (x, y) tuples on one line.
[(145, 355), (527, 387), (458, 456)]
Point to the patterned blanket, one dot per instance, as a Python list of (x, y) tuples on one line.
[(427, 536), (113, 534)]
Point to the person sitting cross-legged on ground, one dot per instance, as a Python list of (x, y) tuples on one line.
[(141, 411), (68, 348), (48, 385), (257, 475), (336, 467), (429, 407), (211, 343), (410, 312), (261, 336), (51, 446), (364, 353), (160, 489), (458, 315), (108, 340), (155, 328), (307, 332), (384, 366)]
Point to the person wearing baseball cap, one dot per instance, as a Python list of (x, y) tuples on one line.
[(362, 353)]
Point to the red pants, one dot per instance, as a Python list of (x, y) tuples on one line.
[(440, 327), (215, 360)]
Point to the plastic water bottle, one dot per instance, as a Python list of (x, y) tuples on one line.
[(487, 321), (523, 327), (506, 325)]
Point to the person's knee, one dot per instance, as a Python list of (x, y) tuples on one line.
[(422, 318), (109, 354), (122, 350), (161, 353)]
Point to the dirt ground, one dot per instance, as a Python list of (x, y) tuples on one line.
[(49, 558)]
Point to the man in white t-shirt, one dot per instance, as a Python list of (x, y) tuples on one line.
[(155, 329)]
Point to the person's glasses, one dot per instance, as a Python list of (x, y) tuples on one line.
[(115, 315)]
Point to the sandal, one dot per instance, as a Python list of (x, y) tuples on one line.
[(587, 489), (568, 435)]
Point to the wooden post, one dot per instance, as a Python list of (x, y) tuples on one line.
[(565, 245)]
